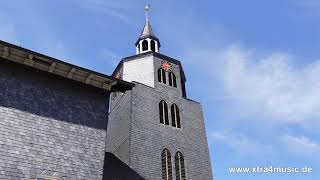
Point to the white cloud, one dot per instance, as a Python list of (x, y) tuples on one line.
[(56, 49), (241, 144), (308, 3), (114, 9), (109, 55), (301, 145), (272, 85), (309, 8), (8, 32), (244, 146)]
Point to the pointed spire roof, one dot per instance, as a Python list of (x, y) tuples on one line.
[(147, 29)]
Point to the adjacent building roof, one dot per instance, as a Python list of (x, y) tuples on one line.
[(60, 68)]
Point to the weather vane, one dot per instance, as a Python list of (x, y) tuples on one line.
[(147, 8)]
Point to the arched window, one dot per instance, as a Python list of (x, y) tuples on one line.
[(175, 116), (180, 168), (172, 79), (163, 112), (162, 76), (153, 46), (145, 45), (166, 165)]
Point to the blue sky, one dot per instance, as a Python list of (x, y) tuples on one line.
[(253, 65)]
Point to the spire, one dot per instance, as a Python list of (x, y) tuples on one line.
[(147, 30), (147, 40)]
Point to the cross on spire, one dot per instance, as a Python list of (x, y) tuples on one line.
[(147, 8)]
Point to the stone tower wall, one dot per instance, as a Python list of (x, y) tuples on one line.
[(149, 137), (138, 135)]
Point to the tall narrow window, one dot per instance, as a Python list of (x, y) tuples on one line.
[(175, 116), (163, 113), (166, 165), (172, 79), (153, 46), (180, 168), (162, 76), (144, 45), (164, 79)]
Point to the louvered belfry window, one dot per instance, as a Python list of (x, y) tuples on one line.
[(172, 79), (162, 76), (145, 45), (163, 112), (166, 165), (153, 46), (180, 168)]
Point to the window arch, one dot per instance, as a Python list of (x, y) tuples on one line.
[(180, 168), (166, 165), (175, 116), (145, 45), (172, 79), (162, 76), (163, 112), (153, 46)]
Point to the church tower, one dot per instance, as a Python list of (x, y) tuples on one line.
[(154, 128)]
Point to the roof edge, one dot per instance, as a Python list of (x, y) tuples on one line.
[(60, 68)]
